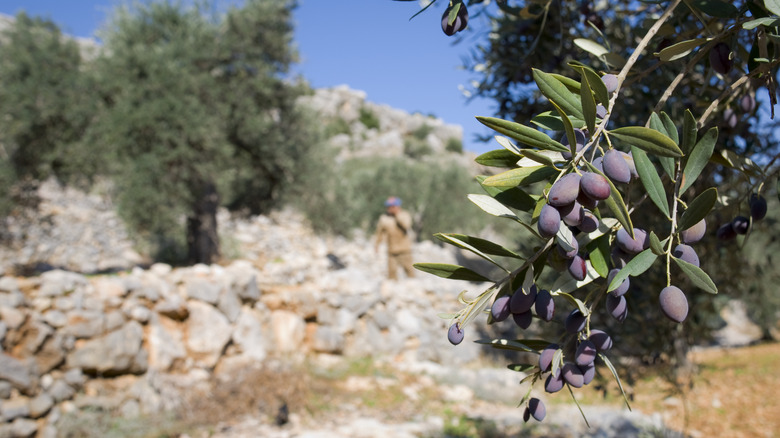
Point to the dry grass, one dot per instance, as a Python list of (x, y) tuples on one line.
[(732, 394)]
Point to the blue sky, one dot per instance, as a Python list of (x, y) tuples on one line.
[(370, 45)]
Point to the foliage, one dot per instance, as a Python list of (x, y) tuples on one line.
[(350, 195), (196, 112), (44, 104), (454, 145), (613, 101), (368, 118)]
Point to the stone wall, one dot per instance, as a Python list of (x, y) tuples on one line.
[(135, 340)]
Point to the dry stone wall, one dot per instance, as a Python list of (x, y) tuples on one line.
[(135, 340)]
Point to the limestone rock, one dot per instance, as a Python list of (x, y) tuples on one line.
[(165, 343), (208, 331), (116, 353), (288, 331), (203, 290), (40, 405), (58, 282), (248, 334), (19, 373)]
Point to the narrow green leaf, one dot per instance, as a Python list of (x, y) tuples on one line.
[(690, 131), (615, 202), (507, 344), (655, 244), (597, 85), (507, 144), (523, 134), (578, 405), (547, 120), (476, 306), (541, 157), (452, 272), (570, 84), (468, 246), (521, 176), (498, 158), (513, 197), (637, 266), (766, 21), (698, 208), (566, 283), (588, 103), (647, 139), (680, 50), (667, 163), (567, 126), (565, 239), (555, 91), (612, 369), (520, 367), (591, 47), (670, 130), (650, 180), (576, 302), (599, 255), (491, 206), (557, 362), (482, 245), (716, 8), (698, 277), (699, 158)]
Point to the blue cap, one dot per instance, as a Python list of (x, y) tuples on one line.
[(393, 201)]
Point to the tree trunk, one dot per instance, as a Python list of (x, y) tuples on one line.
[(202, 237)]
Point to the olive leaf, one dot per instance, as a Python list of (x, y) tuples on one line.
[(513, 197), (521, 176), (637, 266), (690, 131), (648, 139), (680, 50), (497, 158), (699, 158), (588, 103), (521, 133), (452, 272), (698, 277), (698, 208), (554, 90), (650, 180), (667, 163)]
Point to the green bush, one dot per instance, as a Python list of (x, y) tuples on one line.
[(454, 145), (368, 118), (350, 196)]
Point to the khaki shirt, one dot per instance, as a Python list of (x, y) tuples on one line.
[(397, 229)]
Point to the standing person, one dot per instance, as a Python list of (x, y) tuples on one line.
[(395, 225)]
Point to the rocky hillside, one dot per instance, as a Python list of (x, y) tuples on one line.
[(360, 128)]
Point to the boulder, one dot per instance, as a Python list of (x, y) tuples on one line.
[(208, 331), (165, 343), (21, 374), (248, 334), (116, 353), (288, 330)]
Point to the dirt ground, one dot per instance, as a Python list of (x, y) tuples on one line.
[(734, 394)]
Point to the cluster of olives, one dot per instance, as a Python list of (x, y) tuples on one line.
[(461, 19), (582, 369), (741, 224)]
